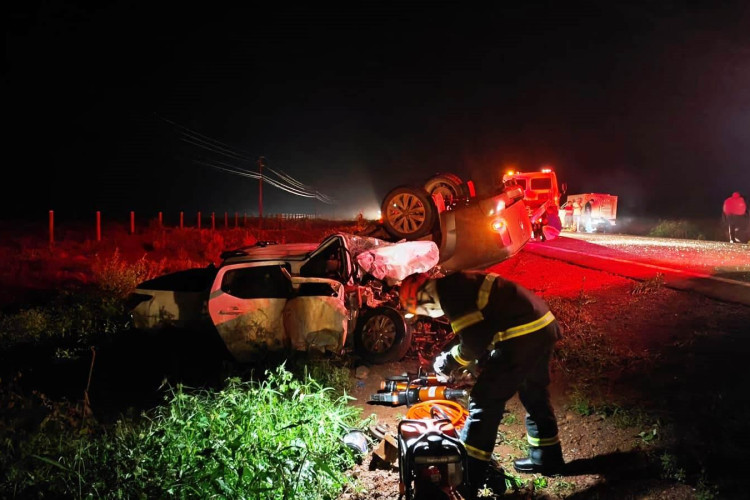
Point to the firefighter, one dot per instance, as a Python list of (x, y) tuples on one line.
[(506, 335)]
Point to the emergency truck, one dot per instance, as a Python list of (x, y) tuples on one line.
[(540, 189)]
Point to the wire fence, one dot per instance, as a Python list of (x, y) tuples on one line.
[(210, 221)]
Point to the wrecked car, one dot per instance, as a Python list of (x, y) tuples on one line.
[(341, 293), (472, 231)]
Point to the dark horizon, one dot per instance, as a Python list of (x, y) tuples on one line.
[(648, 101)]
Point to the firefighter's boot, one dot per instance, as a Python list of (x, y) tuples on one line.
[(547, 460), (482, 474)]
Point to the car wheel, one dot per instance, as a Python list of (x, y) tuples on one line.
[(408, 213), (450, 186), (382, 335)]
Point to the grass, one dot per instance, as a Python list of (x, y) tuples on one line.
[(80, 315), (682, 229), (670, 468), (519, 443), (72, 319), (279, 438), (510, 419)]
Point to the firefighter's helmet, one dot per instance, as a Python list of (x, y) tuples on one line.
[(409, 291)]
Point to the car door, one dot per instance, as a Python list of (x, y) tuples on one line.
[(330, 260), (246, 305), (316, 317)]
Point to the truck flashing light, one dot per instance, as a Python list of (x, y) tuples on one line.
[(546, 170)]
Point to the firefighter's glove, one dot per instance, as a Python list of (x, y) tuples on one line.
[(445, 366)]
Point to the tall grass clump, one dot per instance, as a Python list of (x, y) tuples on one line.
[(116, 277), (677, 229), (72, 319), (80, 316), (276, 439)]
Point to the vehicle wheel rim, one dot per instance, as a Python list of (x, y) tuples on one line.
[(406, 213), (446, 191), (379, 334)]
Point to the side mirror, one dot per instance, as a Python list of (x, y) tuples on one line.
[(564, 187)]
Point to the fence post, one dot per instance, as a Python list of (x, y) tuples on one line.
[(244, 219), (213, 221), (226, 220), (199, 220), (236, 220), (182, 220), (161, 220), (132, 222), (51, 228), (98, 226)]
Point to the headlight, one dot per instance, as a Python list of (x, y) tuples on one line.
[(498, 225)]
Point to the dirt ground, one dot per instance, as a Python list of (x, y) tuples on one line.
[(655, 407)]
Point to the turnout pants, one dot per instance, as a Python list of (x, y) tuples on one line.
[(516, 365)]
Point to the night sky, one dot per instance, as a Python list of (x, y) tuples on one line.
[(646, 100)]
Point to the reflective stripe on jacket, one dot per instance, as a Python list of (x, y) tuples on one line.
[(484, 309)]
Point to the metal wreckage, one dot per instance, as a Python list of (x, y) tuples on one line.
[(342, 294)]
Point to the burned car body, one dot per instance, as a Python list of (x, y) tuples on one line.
[(340, 293)]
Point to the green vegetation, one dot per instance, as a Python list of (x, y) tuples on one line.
[(280, 438), (80, 316), (73, 319), (562, 487), (682, 229), (520, 443), (670, 468), (510, 419)]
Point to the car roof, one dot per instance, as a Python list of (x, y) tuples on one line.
[(286, 251)]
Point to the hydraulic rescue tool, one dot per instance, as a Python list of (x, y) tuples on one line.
[(431, 458), (400, 390)]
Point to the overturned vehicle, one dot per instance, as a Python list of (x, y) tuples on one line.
[(339, 294)]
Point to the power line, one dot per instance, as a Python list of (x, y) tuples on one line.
[(285, 182)]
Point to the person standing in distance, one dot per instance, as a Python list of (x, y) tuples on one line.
[(735, 216)]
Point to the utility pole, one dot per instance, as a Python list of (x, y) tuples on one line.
[(261, 164)]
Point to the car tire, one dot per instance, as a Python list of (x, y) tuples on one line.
[(382, 335), (450, 186), (408, 213)]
